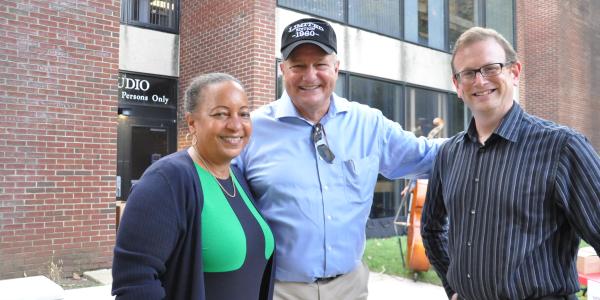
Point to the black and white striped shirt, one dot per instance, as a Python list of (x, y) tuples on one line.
[(503, 220)]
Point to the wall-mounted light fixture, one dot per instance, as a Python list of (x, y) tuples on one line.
[(124, 111)]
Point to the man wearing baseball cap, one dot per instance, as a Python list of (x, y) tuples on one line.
[(313, 162)]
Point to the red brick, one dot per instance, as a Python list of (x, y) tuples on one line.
[(559, 46), (50, 110), (230, 37)]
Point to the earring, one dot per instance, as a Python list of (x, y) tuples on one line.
[(187, 137), (194, 140)]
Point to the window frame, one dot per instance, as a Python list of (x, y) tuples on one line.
[(126, 12), (481, 10)]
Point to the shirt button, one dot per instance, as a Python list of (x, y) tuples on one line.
[(329, 248), (481, 150), (472, 211), (469, 243), (325, 187), (468, 275), (329, 218), (476, 179)]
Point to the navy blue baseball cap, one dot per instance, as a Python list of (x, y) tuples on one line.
[(308, 30)]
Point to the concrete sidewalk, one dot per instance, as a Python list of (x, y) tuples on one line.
[(381, 287), (91, 293), (102, 292), (387, 287)]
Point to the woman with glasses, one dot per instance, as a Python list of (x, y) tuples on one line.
[(190, 229)]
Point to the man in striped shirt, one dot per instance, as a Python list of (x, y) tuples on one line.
[(509, 198)]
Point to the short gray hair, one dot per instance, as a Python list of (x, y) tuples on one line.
[(478, 34), (193, 94)]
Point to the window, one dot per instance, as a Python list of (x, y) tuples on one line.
[(382, 95), (499, 16), (424, 22), (463, 14), (496, 14), (381, 16), (330, 9), (422, 107), (433, 23), (155, 14)]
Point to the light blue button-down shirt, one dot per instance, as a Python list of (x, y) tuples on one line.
[(318, 210)]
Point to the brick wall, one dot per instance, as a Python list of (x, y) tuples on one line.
[(58, 69), (579, 89), (235, 37), (559, 46)]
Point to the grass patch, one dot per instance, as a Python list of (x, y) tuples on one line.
[(383, 256), (583, 244)]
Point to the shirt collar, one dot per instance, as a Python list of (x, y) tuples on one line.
[(508, 129), (286, 109)]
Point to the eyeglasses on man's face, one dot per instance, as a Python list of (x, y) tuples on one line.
[(320, 141), (489, 70)]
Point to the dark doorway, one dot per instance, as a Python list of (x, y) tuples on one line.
[(148, 144), (142, 141)]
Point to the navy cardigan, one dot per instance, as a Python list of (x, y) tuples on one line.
[(158, 248)]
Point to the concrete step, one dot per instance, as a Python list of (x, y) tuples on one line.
[(102, 276), (31, 288)]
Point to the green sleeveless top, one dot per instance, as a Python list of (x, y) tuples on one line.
[(224, 240)]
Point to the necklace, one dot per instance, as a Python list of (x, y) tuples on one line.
[(231, 195)]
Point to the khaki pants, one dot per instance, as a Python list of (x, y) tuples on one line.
[(351, 286)]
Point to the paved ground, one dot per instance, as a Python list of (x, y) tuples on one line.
[(386, 287), (381, 287), (92, 293)]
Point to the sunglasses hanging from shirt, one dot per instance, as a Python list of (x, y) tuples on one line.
[(320, 140)]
